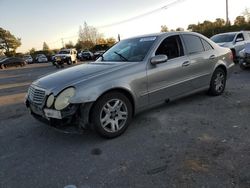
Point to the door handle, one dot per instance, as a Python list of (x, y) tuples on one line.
[(212, 57), (185, 64)]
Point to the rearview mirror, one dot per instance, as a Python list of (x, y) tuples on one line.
[(159, 59)]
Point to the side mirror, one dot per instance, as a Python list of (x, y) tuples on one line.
[(159, 59), (239, 39)]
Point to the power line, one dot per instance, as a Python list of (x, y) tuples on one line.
[(142, 15), (170, 4)]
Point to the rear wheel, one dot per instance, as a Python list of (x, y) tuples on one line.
[(111, 114), (218, 82), (2, 66), (242, 66), (69, 62)]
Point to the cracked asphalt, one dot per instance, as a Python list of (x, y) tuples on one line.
[(197, 141)]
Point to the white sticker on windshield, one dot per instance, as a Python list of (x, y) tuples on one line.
[(147, 39)]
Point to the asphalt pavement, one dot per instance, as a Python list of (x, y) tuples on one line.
[(197, 141)]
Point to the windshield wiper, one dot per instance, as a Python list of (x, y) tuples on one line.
[(121, 56)]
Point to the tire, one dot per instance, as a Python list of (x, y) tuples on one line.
[(242, 66), (111, 115), (2, 66), (218, 82), (69, 62)]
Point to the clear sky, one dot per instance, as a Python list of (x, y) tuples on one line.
[(36, 21)]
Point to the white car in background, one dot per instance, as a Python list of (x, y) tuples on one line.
[(236, 41), (41, 58), (68, 56), (28, 59)]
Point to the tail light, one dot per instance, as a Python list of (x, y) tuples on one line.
[(231, 56)]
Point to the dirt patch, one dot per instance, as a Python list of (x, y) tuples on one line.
[(196, 165), (12, 99)]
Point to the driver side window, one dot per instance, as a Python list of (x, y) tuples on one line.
[(171, 46), (240, 36)]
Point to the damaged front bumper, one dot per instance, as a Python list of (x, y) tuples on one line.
[(75, 115)]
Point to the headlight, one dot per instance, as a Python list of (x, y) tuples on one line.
[(62, 101), (50, 101)]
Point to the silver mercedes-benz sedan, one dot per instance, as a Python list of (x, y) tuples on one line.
[(134, 75)]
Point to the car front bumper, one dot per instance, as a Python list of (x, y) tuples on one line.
[(68, 116)]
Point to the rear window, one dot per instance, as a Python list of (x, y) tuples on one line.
[(223, 38), (193, 44), (206, 45)]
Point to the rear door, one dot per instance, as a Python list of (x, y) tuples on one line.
[(202, 57), (169, 79)]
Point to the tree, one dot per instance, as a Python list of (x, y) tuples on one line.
[(69, 45), (32, 50), (192, 27), (246, 14), (180, 29), (79, 45), (110, 41), (89, 35), (219, 22), (164, 28), (8, 42), (45, 46), (240, 20)]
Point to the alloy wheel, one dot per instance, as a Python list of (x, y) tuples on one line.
[(114, 115)]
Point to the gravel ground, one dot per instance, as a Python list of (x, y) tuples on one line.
[(197, 141)]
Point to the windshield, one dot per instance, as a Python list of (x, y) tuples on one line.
[(130, 50), (223, 38), (64, 52)]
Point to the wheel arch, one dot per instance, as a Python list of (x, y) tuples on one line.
[(124, 91), (223, 67)]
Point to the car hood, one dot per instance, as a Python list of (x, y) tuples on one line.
[(62, 55), (225, 44), (57, 81)]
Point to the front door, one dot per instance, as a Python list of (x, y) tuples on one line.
[(169, 79)]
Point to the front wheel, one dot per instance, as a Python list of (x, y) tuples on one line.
[(2, 66), (111, 114), (218, 82)]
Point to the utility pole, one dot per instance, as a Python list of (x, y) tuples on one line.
[(62, 43), (227, 18)]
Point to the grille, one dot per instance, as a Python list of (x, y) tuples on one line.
[(36, 95)]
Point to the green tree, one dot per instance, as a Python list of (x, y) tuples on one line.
[(45, 46), (240, 20), (164, 28), (32, 50), (219, 22), (8, 42)]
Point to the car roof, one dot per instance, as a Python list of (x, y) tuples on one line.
[(165, 34), (235, 32)]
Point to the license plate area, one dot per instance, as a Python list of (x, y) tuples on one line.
[(52, 114), (36, 110), (58, 59)]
